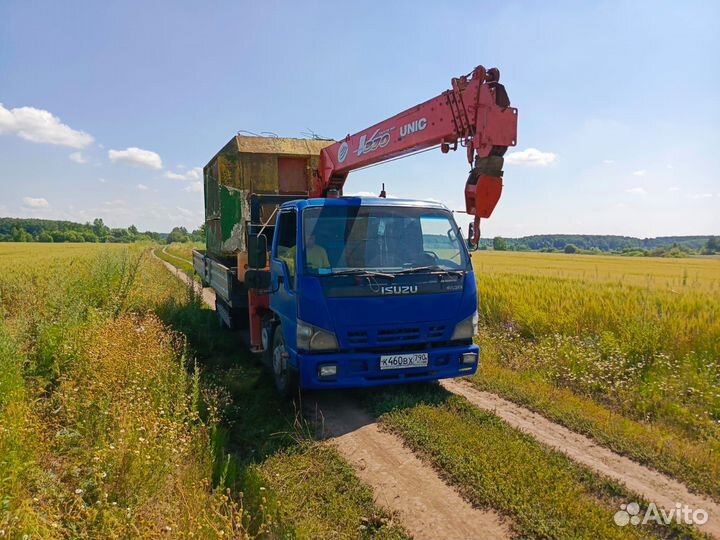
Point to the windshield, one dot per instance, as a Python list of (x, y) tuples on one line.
[(381, 239)]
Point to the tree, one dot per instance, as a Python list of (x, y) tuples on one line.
[(45, 237), (58, 236), (712, 245), (90, 236), (178, 234), (570, 248), (74, 236), (198, 235), (99, 227), (499, 244), (132, 229), (23, 236)]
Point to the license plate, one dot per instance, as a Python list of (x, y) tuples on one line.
[(399, 361)]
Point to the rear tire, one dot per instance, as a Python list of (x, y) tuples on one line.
[(224, 314), (286, 379)]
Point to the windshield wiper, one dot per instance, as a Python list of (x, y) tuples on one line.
[(433, 268), (363, 273)]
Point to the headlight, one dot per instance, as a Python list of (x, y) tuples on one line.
[(312, 338), (466, 328)]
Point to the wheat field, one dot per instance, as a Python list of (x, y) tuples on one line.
[(638, 337)]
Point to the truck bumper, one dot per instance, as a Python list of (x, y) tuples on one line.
[(359, 370)]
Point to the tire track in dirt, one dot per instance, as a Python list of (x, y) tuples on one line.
[(427, 507), (166, 252), (654, 486), (208, 295)]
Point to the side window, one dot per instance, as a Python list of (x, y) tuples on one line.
[(286, 232), (439, 239)]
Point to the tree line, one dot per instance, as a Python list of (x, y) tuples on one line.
[(45, 230), (664, 246)]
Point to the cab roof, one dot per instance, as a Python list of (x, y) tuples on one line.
[(301, 204)]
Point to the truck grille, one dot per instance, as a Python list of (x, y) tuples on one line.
[(397, 335), (394, 336)]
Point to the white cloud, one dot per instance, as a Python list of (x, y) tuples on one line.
[(137, 157), (102, 180), (142, 187), (32, 202), (115, 202), (188, 213), (636, 191), (193, 175), (673, 188), (531, 157), (701, 196), (608, 161), (195, 187), (641, 172), (77, 157), (40, 126)]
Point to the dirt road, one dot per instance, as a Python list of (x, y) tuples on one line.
[(208, 295), (652, 485), (426, 506)]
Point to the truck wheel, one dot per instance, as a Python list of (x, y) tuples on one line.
[(268, 331), (286, 380), (224, 314)]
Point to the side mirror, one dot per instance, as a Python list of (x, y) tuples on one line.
[(257, 251)]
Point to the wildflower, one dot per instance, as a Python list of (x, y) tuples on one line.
[(78, 491)]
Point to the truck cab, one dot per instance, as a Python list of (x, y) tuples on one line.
[(366, 292)]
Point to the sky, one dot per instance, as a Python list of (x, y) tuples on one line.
[(111, 109)]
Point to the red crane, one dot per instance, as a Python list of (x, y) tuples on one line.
[(475, 113)]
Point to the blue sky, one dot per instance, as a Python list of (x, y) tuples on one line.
[(109, 108)]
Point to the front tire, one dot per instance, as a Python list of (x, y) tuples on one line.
[(286, 379)]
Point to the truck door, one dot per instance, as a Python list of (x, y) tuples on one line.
[(283, 268)]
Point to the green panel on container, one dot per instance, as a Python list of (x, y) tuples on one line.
[(230, 210)]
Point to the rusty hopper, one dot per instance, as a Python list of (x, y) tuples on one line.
[(247, 166)]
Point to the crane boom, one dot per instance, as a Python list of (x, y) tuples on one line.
[(475, 113)]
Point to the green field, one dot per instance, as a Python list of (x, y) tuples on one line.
[(624, 349), (126, 413)]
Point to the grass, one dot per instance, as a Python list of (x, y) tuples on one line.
[(184, 251), (544, 493), (296, 486), (110, 429), (100, 435), (174, 257), (635, 341)]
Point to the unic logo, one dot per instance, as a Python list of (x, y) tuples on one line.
[(413, 127), (379, 139), (682, 514), (343, 151), (399, 289)]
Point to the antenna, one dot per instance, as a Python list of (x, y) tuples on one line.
[(383, 195)]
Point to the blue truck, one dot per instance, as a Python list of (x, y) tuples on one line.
[(343, 292), (368, 291)]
